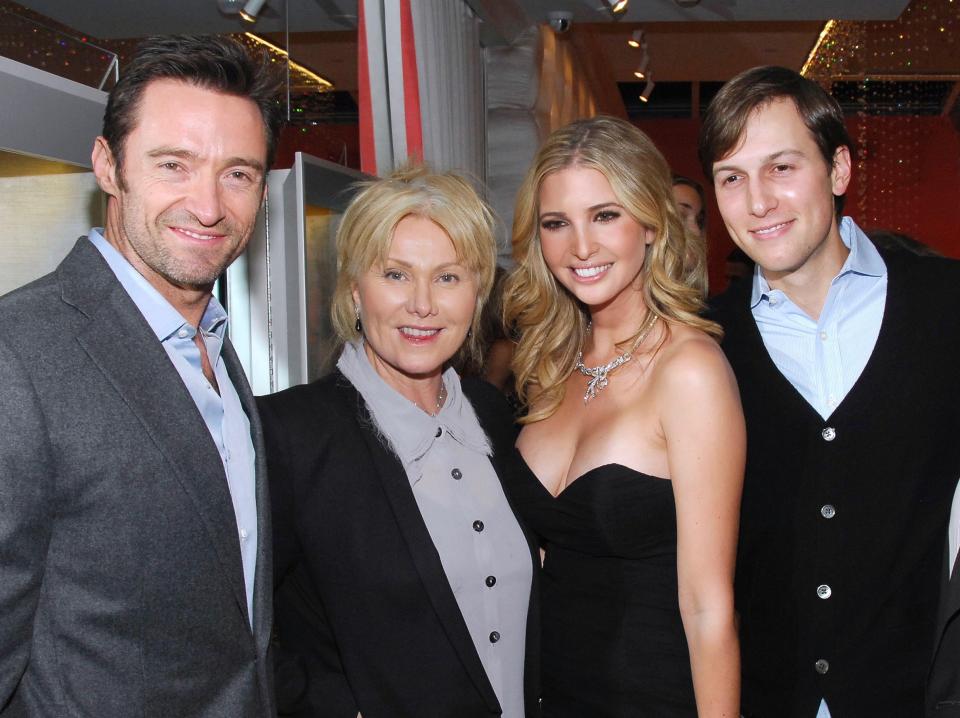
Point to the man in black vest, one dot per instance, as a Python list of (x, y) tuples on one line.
[(846, 361)]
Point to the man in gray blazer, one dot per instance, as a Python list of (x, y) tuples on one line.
[(135, 570)]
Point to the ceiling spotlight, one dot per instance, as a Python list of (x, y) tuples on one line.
[(252, 9), (647, 90), (641, 72), (636, 39), (616, 7)]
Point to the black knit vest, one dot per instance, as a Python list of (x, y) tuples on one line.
[(843, 521)]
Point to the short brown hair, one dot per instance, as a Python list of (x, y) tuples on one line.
[(728, 113), (211, 62)]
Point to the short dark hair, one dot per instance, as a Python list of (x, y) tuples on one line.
[(728, 113), (698, 188), (212, 62)]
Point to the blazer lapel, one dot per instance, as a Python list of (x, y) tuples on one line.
[(119, 341), (427, 562)]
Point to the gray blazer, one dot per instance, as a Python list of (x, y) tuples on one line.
[(121, 584)]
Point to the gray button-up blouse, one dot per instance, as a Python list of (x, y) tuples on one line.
[(482, 549)]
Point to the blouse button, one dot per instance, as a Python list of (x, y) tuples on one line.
[(828, 511), (491, 581), (829, 434), (823, 591), (457, 474), (822, 666), (494, 636), (439, 432), (478, 526)]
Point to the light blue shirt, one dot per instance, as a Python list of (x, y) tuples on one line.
[(222, 412), (823, 359)]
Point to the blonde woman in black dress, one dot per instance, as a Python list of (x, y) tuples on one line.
[(633, 435)]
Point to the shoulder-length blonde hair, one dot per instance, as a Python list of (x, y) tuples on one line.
[(550, 323), (366, 233)]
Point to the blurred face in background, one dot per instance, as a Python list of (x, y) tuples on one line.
[(690, 206)]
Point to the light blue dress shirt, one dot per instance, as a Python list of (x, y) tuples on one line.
[(222, 412), (823, 359)]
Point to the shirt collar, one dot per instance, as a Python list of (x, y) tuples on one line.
[(863, 259), (164, 320), (410, 431)]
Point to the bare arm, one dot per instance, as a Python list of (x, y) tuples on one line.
[(703, 426)]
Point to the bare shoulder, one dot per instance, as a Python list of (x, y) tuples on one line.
[(692, 360)]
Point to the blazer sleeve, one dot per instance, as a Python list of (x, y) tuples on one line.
[(26, 515), (309, 676)]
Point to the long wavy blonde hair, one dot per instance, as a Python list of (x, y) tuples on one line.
[(549, 322)]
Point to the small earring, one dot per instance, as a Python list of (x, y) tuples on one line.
[(358, 326), (470, 333)]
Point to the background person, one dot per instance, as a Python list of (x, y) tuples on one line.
[(407, 578), (135, 559), (633, 429), (692, 203)]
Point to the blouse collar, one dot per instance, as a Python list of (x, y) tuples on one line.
[(410, 431)]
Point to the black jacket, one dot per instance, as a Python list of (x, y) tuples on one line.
[(365, 617)]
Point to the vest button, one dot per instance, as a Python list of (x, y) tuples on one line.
[(822, 666), (491, 581), (494, 636), (829, 434), (457, 474), (828, 511), (478, 525), (824, 591)]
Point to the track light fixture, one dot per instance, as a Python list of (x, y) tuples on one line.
[(252, 9), (636, 38), (616, 7), (648, 89), (641, 72)]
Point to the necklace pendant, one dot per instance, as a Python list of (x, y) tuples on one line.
[(595, 386), (598, 375)]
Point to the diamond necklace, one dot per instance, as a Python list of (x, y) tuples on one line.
[(599, 374)]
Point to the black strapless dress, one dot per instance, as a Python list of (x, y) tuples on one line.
[(613, 644)]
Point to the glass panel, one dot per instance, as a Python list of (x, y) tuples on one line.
[(321, 277)]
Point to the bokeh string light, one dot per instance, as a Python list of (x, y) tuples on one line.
[(891, 76)]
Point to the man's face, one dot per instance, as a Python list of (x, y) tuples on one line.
[(775, 193), (688, 202), (193, 170)]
